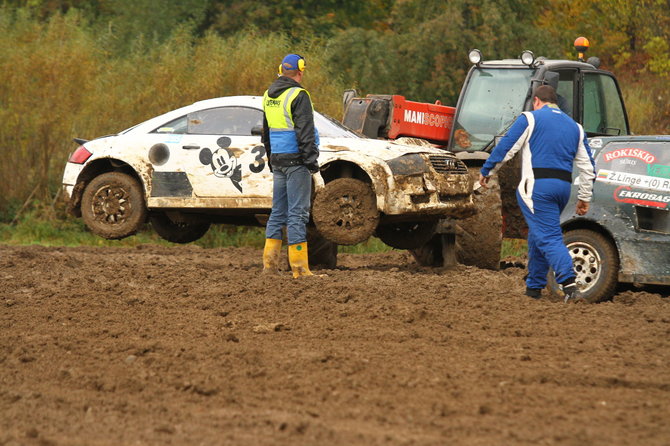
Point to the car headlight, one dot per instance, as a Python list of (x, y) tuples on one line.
[(411, 164)]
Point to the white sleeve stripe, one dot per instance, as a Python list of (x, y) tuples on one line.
[(586, 172), (525, 136)]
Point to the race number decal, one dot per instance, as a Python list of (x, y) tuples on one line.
[(259, 161)]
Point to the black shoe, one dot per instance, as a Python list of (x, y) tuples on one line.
[(533, 292), (572, 292)]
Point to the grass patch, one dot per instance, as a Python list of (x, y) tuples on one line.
[(373, 244), (513, 247), (38, 227), (34, 228)]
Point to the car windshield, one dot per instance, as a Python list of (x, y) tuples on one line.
[(494, 97), (330, 128)]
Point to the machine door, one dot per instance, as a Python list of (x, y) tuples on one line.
[(603, 112), (567, 91)]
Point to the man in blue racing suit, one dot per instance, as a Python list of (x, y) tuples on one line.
[(549, 141)]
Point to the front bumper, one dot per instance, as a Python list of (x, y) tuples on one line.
[(439, 185)]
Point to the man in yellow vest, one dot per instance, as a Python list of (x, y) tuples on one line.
[(292, 145)]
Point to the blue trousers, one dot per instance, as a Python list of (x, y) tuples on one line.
[(545, 238), (291, 195)]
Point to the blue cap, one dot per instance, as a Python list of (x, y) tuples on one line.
[(292, 62)]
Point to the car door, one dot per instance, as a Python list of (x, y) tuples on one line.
[(217, 151), (633, 187), (636, 175)]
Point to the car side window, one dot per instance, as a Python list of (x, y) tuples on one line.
[(224, 121), (178, 126)]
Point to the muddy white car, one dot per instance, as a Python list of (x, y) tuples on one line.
[(204, 163)]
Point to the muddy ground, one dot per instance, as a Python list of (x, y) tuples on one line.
[(192, 346)]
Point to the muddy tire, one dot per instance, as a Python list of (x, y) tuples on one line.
[(177, 232), (440, 251), (509, 176), (322, 253), (430, 253), (479, 238), (345, 211), (407, 235), (596, 263), (112, 205)]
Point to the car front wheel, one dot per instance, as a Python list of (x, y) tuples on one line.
[(596, 264), (112, 205), (345, 211)]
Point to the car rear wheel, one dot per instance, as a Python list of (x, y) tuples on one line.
[(176, 231), (596, 264), (112, 205), (345, 211), (407, 235)]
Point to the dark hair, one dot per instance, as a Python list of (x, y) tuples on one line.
[(546, 93), (289, 73)]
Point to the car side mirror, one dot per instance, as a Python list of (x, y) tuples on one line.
[(257, 130)]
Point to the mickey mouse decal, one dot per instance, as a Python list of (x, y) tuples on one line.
[(223, 162)]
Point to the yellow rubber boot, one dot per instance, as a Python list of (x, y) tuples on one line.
[(297, 257), (271, 254)]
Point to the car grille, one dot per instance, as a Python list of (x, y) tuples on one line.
[(448, 164)]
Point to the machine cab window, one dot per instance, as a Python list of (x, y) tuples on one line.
[(566, 92)]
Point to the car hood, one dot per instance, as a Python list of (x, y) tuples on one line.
[(377, 148)]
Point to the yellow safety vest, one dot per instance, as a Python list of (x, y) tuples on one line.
[(280, 120)]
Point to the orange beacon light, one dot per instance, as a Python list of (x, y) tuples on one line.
[(581, 45)]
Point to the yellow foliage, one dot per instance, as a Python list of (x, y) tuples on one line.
[(57, 82)]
